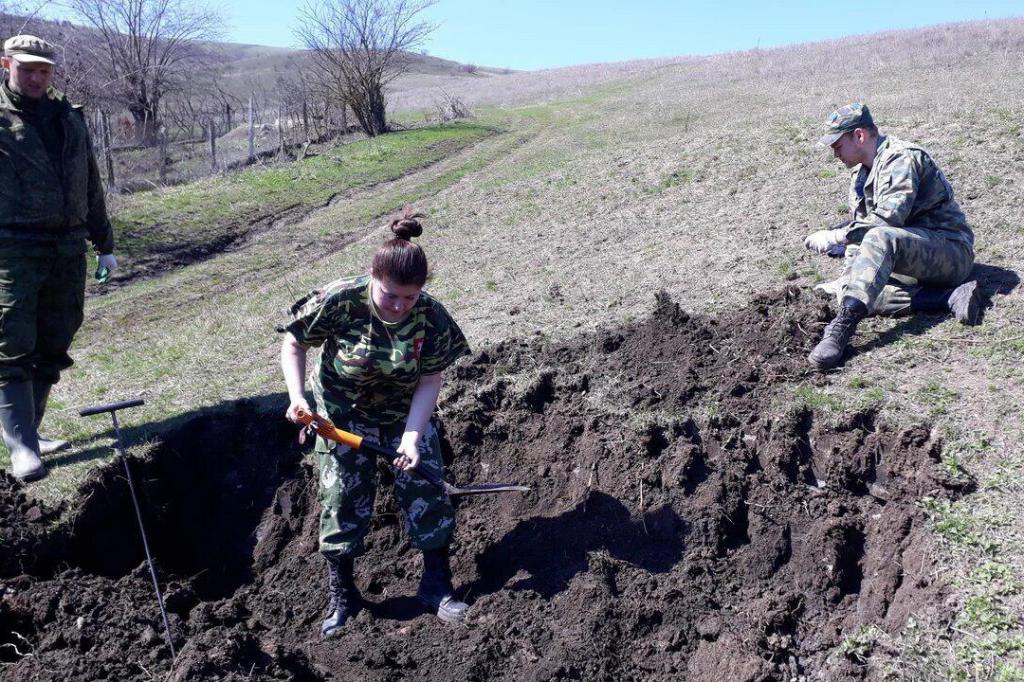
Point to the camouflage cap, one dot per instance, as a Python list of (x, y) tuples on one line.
[(26, 48), (843, 120)]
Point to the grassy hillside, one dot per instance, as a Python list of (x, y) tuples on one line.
[(697, 176)]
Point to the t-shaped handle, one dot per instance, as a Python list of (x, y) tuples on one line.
[(110, 407)]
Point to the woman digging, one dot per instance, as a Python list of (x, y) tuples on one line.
[(385, 344)]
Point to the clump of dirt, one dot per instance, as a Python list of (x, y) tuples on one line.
[(660, 541)]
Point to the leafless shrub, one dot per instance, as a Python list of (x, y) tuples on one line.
[(359, 46), (147, 49), (449, 107)]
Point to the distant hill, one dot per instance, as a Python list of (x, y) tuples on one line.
[(237, 67)]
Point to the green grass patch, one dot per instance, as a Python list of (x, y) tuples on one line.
[(200, 213), (938, 398), (956, 524), (858, 646), (814, 399), (681, 176)]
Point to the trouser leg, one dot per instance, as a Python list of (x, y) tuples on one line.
[(60, 310), (918, 256), (40, 395), (348, 487), (427, 512), (24, 268)]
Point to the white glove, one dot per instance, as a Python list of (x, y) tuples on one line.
[(823, 241), (108, 262)]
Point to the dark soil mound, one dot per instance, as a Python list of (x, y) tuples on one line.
[(737, 541)]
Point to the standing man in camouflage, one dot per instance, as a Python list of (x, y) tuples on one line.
[(51, 200), (908, 244)]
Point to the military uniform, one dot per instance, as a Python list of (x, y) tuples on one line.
[(364, 380), (909, 228), (51, 201), (908, 245)]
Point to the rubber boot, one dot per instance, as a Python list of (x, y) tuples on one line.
[(436, 592), (341, 594), (963, 301), (40, 394), (829, 351), (19, 430)]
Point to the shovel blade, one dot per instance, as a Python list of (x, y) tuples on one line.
[(485, 488)]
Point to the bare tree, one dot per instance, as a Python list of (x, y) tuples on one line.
[(359, 46), (147, 48)]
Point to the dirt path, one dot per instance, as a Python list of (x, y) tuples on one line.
[(235, 235)]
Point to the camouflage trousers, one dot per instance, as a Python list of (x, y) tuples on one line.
[(348, 488), (42, 297), (891, 264)]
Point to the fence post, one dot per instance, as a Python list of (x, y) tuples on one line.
[(107, 152), (213, 144), (227, 112), (280, 132), (162, 132), (252, 127)]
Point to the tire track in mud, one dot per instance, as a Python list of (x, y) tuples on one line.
[(659, 539), (238, 235)]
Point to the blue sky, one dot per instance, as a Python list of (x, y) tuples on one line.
[(532, 34)]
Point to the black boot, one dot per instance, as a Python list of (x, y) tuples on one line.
[(341, 594), (40, 394), (963, 301), (436, 587), (838, 333)]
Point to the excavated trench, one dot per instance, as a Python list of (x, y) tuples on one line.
[(682, 524)]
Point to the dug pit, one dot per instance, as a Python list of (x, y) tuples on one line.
[(681, 525)]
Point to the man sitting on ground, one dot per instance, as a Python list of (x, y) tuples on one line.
[(908, 246)]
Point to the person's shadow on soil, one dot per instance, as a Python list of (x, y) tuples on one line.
[(544, 554), (992, 280)]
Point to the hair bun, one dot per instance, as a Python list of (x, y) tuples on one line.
[(406, 228)]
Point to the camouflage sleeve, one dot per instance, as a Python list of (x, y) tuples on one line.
[(896, 188), (101, 234), (316, 322), (444, 343)]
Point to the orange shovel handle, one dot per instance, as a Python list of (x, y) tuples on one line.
[(329, 431)]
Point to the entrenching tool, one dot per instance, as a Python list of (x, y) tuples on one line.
[(112, 408), (325, 428)]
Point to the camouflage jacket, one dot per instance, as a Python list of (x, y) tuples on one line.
[(368, 369), (34, 197), (904, 188)]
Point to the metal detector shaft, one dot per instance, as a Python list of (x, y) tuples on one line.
[(112, 408)]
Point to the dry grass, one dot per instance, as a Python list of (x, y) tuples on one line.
[(697, 176)]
